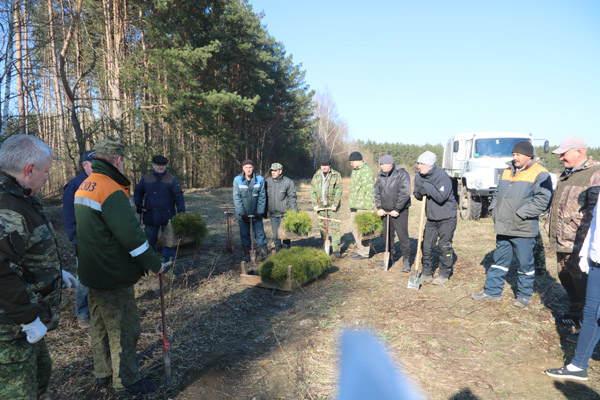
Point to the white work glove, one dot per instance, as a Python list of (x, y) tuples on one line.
[(68, 280), (583, 264), (35, 330), (316, 208), (165, 266)]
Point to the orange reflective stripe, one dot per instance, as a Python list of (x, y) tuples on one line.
[(98, 187)]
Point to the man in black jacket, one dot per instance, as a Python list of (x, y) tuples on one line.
[(441, 217), (281, 196), (392, 196)]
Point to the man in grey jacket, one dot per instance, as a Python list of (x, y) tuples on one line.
[(441, 217), (281, 196), (524, 192)]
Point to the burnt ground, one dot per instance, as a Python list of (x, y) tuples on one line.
[(230, 341)]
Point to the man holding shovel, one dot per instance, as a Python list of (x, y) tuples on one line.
[(281, 197), (325, 196), (392, 197), (523, 193), (250, 200), (113, 253)]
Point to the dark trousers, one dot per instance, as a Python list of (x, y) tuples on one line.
[(259, 233), (400, 225), (275, 222), (444, 230), (573, 280), (152, 236)]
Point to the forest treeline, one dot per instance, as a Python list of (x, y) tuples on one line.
[(201, 82)]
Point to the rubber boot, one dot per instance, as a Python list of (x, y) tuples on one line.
[(246, 256)]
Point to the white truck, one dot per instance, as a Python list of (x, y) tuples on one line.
[(475, 162)]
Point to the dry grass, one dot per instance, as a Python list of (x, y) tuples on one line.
[(234, 342)]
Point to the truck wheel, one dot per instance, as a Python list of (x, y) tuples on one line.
[(469, 206)]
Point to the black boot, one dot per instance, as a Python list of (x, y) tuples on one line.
[(406, 264)]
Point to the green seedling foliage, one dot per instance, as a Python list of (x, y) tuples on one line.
[(298, 222), (190, 224), (368, 222), (307, 263)]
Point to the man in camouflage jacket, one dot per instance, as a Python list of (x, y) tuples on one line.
[(569, 219), (326, 196), (30, 270), (360, 199)]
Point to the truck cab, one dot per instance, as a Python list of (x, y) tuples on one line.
[(475, 162)]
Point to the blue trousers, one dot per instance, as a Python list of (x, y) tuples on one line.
[(506, 247), (152, 236), (590, 331), (260, 239)]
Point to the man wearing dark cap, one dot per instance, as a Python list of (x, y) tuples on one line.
[(392, 197), (523, 193), (113, 253), (281, 196), (569, 220), (360, 199), (81, 301), (158, 197), (250, 201), (326, 196)]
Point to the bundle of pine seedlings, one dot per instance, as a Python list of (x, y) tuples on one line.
[(307, 263), (191, 225), (297, 222), (368, 223)]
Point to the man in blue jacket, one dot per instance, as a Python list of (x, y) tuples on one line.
[(81, 296), (524, 192), (250, 200), (441, 217), (158, 197)]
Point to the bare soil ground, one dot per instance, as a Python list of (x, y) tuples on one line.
[(229, 341)]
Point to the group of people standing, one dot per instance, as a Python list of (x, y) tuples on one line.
[(388, 194)]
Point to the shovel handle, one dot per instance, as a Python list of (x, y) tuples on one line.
[(420, 239)]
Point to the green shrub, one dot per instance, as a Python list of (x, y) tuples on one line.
[(190, 224), (368, 222), (298, 222), (307, 263)]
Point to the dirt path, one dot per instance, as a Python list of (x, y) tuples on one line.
[(235, 342)]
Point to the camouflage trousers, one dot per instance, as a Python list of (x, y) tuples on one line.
[(115, 332), (362, 246), (334, 228), (24, 369)]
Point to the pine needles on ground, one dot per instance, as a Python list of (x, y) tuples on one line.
[(190, 224), (368, 222), (307, 263), (298, 222)]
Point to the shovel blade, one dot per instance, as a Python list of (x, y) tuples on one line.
[(327, 246), (414, 282), (386, 260), (253, 256)]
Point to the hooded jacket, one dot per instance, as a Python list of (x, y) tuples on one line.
[(392, 190), (112, 249), (30, 271), (437, 186), (572, 206), (521, 196)]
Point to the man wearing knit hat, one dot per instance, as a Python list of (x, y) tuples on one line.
[(326, 197), (523, 193), (392, 196), (360, 199), (569, 220), (113, 254), (440, 210), (250, 201)]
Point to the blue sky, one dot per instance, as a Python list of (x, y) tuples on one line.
[(421, 71)]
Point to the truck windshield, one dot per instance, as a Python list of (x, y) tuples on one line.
[(495, 147)]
